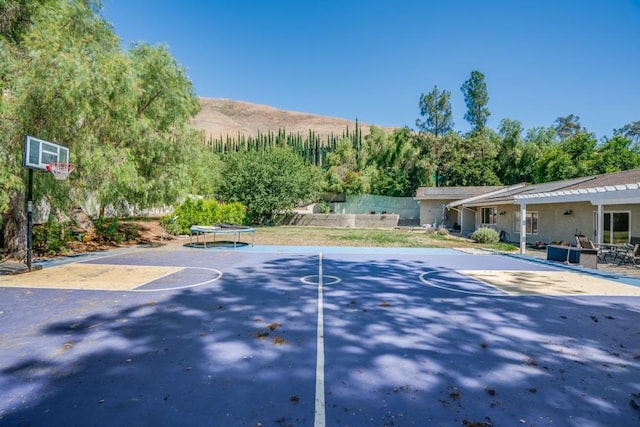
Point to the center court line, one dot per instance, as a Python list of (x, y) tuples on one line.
[(320, 415)]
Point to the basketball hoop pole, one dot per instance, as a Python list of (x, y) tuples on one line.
[(46, 156), (29, 218)]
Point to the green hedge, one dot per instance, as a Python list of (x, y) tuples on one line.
[(204, 212)]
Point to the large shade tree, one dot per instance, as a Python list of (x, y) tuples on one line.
[(268, 182), (122, 114), (394, 165), (616, 154)]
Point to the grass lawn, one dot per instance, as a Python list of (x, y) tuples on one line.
[(371, 237)]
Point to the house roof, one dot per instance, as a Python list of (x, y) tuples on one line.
[(509, 196), (612, 188)]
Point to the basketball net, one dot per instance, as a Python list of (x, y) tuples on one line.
[(60, 170)]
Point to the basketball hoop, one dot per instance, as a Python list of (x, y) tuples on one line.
[(60, 170)]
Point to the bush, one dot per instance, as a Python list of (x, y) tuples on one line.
[(111, 230), (46, 238), (205, 212), (485, 235)]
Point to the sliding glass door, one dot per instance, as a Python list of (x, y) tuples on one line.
[(615, 228)]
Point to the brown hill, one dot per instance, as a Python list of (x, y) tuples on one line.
[(220, 117)]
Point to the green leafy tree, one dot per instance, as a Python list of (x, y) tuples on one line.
[(536, 142), (567, 126), (476, 98), (435, 108), (509, 156), (430, 152), (462, 165), (268, 182), (614, 155), (15, 17), (343, 174), (125, 114), (555, 164), (581, 147), (204, 172), (394, 165), (631, 131), (570, 158), (47, 71)]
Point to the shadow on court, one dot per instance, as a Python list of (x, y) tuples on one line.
[(238, 352), (241, 351), (401, 354)]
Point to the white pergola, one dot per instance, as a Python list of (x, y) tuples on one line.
[(597, 196)]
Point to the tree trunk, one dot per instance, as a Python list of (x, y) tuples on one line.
[(60, 219), (15, 227)]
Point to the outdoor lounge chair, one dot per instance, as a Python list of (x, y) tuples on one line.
[(632, 256)]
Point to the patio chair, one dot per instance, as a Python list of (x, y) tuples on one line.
[(632, 256)]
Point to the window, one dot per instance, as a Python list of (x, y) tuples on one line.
[(532, 222), (489, 216)]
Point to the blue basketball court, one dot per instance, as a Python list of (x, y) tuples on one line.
[(304, 336)]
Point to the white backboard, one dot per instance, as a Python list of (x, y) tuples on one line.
[(38, 153)]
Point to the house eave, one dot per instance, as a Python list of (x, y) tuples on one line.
[(613, 194)]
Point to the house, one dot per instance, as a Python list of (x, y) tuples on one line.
[(605, 208), (434, 212)]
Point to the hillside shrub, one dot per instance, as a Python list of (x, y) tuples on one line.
[(485, 235), (205, 212), (47, 238), (113, 231)]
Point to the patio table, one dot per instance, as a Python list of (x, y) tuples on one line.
[(617, 251)]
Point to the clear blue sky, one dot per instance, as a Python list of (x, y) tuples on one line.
[(372, 59)]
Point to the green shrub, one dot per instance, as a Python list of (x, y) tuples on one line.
[(205, 212), (325, 208), (111, 230), (485, 235), (46, 238)]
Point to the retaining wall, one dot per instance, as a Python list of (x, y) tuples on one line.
[(345, 220)]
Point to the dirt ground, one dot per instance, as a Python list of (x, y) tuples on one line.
[(151, 232)]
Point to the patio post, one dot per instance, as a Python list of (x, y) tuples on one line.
[(600, 224), (523, 228)]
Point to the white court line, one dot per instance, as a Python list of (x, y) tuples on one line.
[(320, 415), (193, 285), (422, 278)]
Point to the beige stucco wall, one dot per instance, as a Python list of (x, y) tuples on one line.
[(431, 213), (554, 225)]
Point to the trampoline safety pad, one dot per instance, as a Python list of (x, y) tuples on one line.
[(551, 283), (89, 277)]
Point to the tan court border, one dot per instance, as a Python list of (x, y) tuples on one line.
[(551, 283), (99, 277)]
